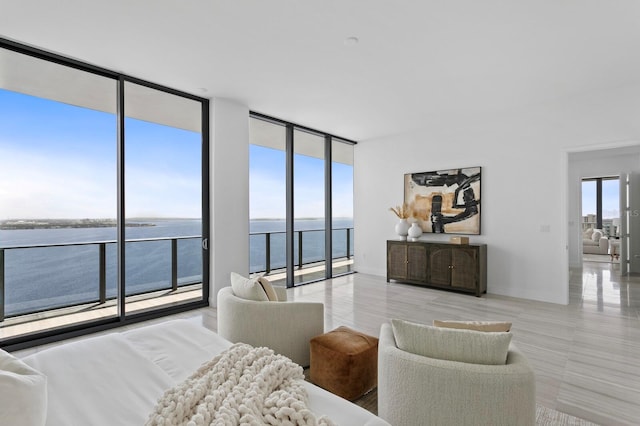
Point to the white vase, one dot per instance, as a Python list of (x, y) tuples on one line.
[(414, 231), (402, 228)]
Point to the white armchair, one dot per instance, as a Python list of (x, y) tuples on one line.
[(415, 390), (285, 327), (595, 242)]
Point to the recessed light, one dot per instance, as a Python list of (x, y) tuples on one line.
[(351, 41)]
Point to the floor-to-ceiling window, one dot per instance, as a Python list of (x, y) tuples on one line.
[(601, 205), (611, 206), (309, 205), (301, 202), (102, 197), (267, 197), (163, 197), (57, 191), (342, 206)]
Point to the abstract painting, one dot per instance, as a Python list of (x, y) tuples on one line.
[(445, 201)]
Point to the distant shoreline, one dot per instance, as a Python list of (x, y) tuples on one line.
[(25, 224), (268, 219), (20, 224)]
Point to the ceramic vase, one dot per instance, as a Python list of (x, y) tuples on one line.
[(414, 231), (402, 229)]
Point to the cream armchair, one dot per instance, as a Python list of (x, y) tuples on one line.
[(285, 327), (416, 390), (595, 242)]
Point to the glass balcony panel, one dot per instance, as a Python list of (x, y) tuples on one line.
[(257, 253), (278, 250), (189, 261), (37, 279), (339, 238), (150, 266)]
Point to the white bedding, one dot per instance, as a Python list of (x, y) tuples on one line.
[(117, 379)]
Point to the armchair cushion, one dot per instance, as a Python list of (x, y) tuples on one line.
[(268, 289), (452, 344), (248, 288), (491, 326)]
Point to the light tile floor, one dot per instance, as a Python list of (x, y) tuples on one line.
[(586, 355)]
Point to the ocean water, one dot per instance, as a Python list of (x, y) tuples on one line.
[(52, 277)]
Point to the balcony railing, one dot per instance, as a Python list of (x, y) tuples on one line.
[(270, 254), (173, 282), (36, 273)]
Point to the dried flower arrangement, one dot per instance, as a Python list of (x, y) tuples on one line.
[(403, 211)]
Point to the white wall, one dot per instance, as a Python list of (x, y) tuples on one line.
[(608, 163), (524, 175), (229, 162)]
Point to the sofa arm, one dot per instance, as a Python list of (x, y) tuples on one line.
[(414, 389), (285, 327), (604, 244)]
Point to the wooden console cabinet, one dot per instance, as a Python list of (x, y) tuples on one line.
[(461, 267)]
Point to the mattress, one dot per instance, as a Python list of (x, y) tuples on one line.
[(116, 379)]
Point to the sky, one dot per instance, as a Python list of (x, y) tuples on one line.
[(267, 189), (610, 198), (59, 161)]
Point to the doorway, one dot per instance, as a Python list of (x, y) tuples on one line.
[(622, 160), (600, 225)]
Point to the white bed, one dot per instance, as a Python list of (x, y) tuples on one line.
[(117, 379)]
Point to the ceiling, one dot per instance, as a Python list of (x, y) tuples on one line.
[(416, 61)]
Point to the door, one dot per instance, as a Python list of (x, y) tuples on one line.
[(463, 268), (440, 266), (632, 219), (396, 261), (416, 262)]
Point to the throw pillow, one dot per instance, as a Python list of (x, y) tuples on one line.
[(588, 233), (491, 326), (452, 344), (247, 288), (23, 392), (268, 289), (596, 236)]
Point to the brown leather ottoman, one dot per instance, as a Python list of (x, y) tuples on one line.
[(344, 362)]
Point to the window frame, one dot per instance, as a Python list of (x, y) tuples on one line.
[(598, 181), (52, 335), (329, 138)]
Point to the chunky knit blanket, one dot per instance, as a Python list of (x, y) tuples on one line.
[(241, 386)]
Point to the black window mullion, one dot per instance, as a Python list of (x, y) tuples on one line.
[(289, 196), (205, 201), (599, 203), (120, 261), (328, 208)]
